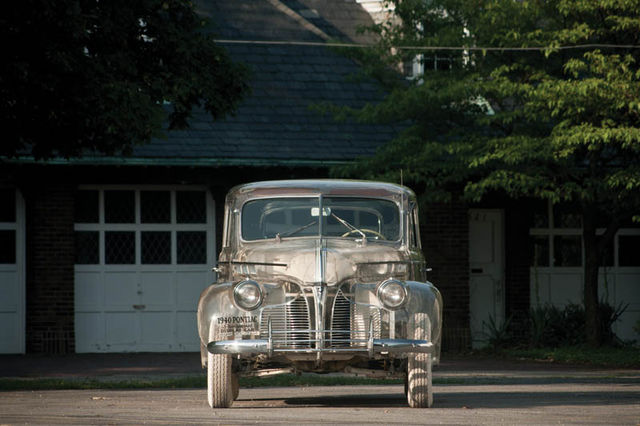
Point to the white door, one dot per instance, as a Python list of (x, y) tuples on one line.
[(486, 284), (12, 271), (143, 255)]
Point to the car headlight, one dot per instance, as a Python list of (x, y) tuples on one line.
[(247, 295), (392, 293)]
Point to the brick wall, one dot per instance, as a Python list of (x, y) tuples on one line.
[(50, 269), (444, 232)]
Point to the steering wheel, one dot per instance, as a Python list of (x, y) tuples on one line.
[(364, 230)]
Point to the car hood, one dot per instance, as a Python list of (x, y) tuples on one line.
[(310, 261)]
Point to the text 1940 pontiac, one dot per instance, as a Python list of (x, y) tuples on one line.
[(320, 276)]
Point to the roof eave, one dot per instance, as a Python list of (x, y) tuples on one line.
[(175, 162)]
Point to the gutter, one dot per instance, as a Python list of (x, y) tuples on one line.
[(178, 162)]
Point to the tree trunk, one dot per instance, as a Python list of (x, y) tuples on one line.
[(592, 256), (594, 250)]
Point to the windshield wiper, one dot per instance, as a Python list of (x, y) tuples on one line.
[(295, 231), (351, 228)]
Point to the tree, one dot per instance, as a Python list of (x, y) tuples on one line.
[(544, 120), (83, 76)]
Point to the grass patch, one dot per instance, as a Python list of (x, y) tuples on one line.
[(610, 357)]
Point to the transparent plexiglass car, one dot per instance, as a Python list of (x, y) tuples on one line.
[(319, 276)]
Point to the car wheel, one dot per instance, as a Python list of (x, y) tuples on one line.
[(220, 389), (419, 388)]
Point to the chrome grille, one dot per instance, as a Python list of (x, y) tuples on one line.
[(362, 316), (350, 323), (293, 329), (340, 322), (289, 324)]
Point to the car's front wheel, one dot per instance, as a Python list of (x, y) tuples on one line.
[(418, 386), (222, 386)]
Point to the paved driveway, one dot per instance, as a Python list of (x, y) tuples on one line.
[(572, 401), (479, 392)]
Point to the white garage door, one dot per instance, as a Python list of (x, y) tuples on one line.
[(12, 273), (143, 255)]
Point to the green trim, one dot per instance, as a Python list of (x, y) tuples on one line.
[(184, 162)]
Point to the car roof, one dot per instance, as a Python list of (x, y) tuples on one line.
[(334, 187)]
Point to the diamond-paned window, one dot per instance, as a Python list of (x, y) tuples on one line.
[(119, 206), (540, 252), (147, 226), (86, 207), (191, 207), (155, 206), (87, 247), (192, 247), (156, 247), (7, 205), (558, 237), (567, 250), (7, 246), (608, 255), (628, 254), (119, 247)]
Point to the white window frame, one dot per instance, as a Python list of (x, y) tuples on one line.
[(138, 227), (551, 231)]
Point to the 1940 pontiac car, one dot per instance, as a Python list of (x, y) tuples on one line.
[(320, 276)]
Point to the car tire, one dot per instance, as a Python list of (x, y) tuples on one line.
[(419, 386), (220, 389)]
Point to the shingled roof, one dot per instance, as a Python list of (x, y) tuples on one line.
[(275, 124)]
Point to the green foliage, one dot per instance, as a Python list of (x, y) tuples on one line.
[(551, 326), (560, 124), (554, 327), (552, 122), (82, 75), (498, 333)]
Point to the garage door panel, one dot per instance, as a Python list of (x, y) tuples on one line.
[(157, 290), (624, 327), (189, 285), (540, 292), (565, 288), (121, 328), (8, 291), (89, 295), (157, 328), (9, 331), (187, 331), (90, 331), (121, 290), (627, 290)]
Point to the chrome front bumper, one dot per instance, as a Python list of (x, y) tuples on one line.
[(373, 347)]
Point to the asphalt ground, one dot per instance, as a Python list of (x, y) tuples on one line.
[(467, 391)]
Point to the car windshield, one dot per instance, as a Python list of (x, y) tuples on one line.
[(345, 217)]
